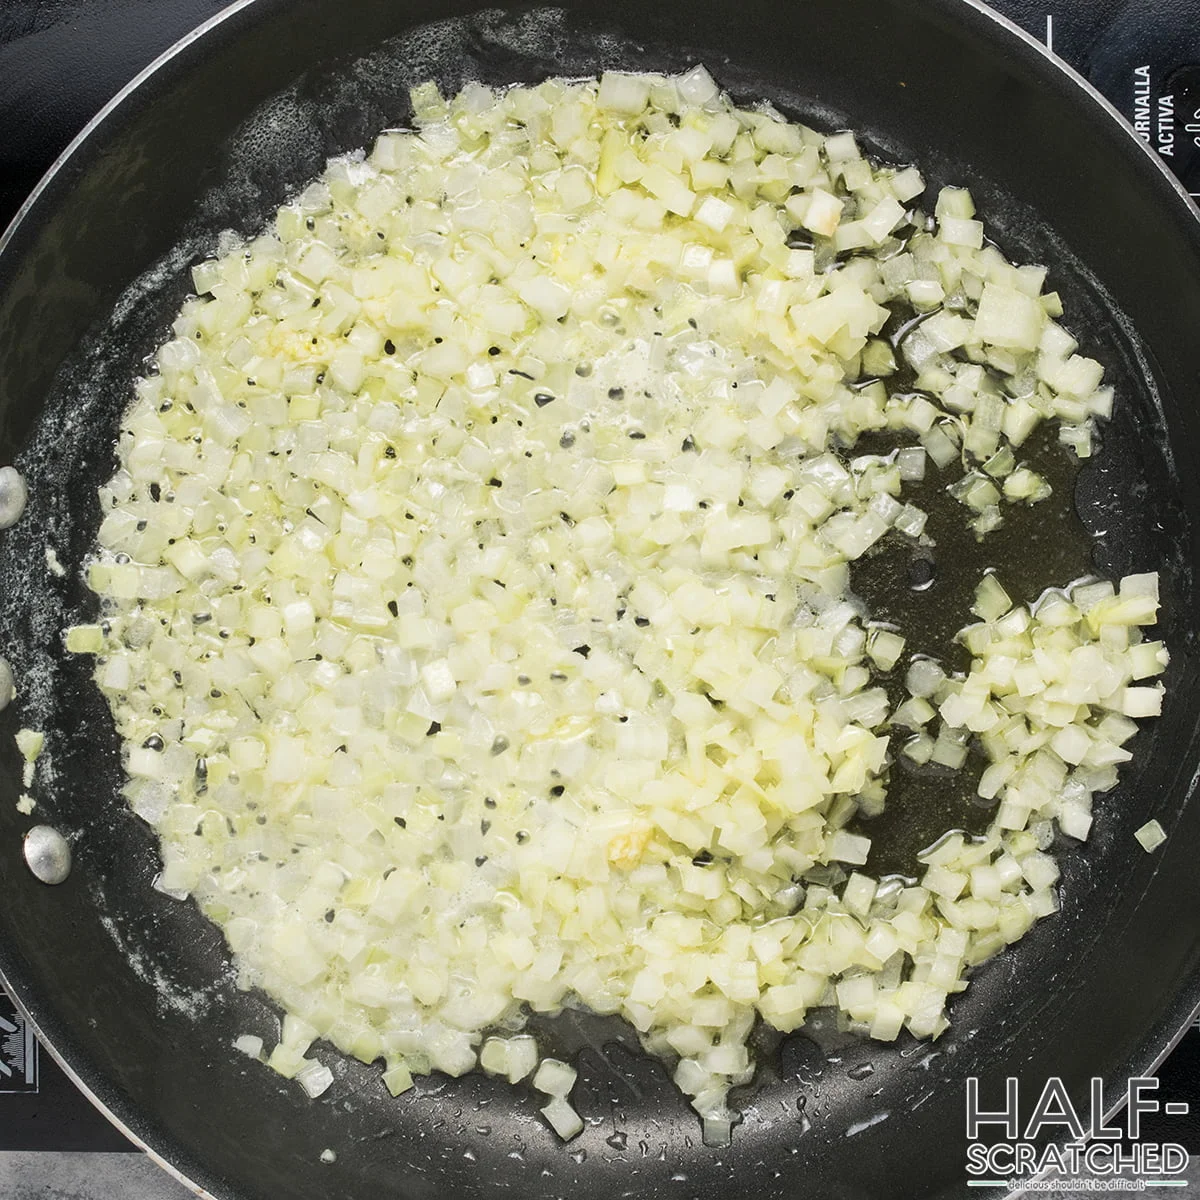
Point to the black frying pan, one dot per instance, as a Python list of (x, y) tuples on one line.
[(134, 992)]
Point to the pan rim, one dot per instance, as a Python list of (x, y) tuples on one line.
[(973, 13)]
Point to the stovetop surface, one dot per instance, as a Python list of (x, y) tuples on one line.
[(61, 60)]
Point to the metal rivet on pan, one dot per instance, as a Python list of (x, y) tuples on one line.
[(13, 496), (47, 854)]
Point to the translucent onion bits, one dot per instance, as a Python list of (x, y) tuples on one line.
[(475, 587)]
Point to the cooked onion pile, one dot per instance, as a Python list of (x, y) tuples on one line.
[(475, 581)]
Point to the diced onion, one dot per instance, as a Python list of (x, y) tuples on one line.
[(563, 1119), (315, 1078), (554, 1078), (249, 1044), (476, 589), (1151, 836)]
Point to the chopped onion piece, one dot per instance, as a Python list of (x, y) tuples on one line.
[(1151, 836), (249, 1045), (553, 1077), (563, 1119), (315, 1079)]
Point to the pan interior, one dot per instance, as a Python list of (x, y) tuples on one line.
[(137, 990)]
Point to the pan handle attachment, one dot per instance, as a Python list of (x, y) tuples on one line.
[(47, 854)]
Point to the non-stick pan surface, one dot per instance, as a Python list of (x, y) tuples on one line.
[(135, 992)]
